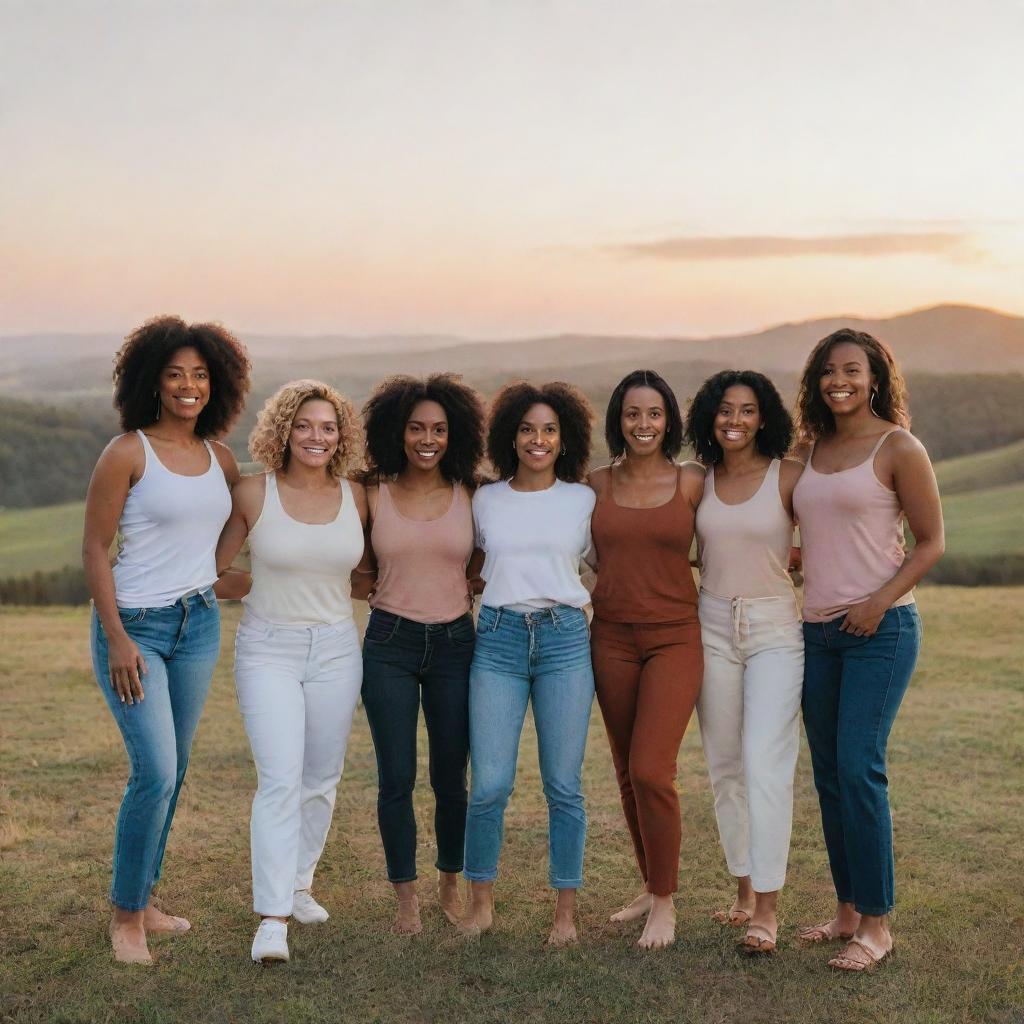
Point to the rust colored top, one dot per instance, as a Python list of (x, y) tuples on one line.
[(643, 560)]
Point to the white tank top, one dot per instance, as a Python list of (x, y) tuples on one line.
[(743, 549), (169, 529), (301, 571)]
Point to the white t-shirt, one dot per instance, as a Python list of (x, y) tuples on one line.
[(533, 542)]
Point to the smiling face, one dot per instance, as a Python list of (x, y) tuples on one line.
[(738, 418), (314, 437), (184, 385), (643, 420), (846, 379), (539, 439), (426, 435)]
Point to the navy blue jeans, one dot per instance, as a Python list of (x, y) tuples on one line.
[(403, 662), (180, 643), (853, 687)]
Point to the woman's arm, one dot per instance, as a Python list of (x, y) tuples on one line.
[(918, 493), (364, 575), (246, 504), (121, 463)]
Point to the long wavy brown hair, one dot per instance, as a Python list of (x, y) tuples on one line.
[(889, 399), (268, 441)]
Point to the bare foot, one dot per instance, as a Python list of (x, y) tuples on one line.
[(156, 922), (563, 931), (448, 896), (407, 921), (128, 940), (635, 910), (660, 929), (479, 916)]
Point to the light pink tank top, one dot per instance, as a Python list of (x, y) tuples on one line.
[(743, 549), (421, 565), (851, 535)]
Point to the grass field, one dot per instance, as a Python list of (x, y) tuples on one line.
[(956, 760), (40, 539), (985, 523)]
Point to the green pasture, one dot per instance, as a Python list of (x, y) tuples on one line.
[(955, 770), (986, 524), (982, 470), (40, 539)]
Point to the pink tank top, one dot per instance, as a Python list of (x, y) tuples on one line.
[(421, 565), (851, 536), (743, 549)]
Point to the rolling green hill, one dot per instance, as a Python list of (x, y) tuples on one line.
[(979, 472), (40, 539), (986, 524)]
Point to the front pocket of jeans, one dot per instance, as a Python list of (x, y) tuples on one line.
[(381, 628), (130, 615)]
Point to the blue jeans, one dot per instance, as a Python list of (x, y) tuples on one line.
[(544, 655), (403, 662), (180, 643), (853, 687)]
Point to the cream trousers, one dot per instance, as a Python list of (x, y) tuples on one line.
[(749, 710)]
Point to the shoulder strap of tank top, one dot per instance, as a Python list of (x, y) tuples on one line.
[(147, 448), (881, 441)]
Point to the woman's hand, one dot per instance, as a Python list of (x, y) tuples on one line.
[(863, 619), (127, 667)]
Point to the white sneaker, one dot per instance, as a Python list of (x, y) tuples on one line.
[(306, 910), (271, 941)]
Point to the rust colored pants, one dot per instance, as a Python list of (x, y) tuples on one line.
[(648, 679)]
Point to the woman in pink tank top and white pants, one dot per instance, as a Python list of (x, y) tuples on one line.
[(298, 667), (864, 474), (749, 706)]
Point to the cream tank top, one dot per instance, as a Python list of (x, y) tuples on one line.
[(169, 530), (851, 536), (301, 571), (743, 550), (421, 564)]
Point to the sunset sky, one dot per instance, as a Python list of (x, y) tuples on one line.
[(505, 168)]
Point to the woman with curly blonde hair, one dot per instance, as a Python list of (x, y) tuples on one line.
[(298, 669)]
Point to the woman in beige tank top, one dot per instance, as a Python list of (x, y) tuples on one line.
[(298, 667), (753, 648)]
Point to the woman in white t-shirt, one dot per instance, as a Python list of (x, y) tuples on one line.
[(298, 669), (533, 643)]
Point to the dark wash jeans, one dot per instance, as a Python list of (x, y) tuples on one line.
[(853, 687), (403, 662)]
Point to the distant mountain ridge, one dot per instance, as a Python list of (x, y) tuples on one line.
[(937, 339)]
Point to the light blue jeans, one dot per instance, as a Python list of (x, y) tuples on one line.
[(180, 643), (543, 656)]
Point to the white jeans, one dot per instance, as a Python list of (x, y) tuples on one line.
[(749, 710), (297, 690)]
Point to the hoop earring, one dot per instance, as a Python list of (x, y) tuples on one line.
[(563, 449), (871, 402), (159, 404)]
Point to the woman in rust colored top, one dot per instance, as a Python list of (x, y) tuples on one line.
[(646, 644)]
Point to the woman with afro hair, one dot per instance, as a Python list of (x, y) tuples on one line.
[(425, 441), (749, 704), (164, 486), (533, 526), (646, 638), (865, 474), (298, 669)]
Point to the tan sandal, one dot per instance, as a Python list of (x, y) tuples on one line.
[(845, 962), (753, 944), (733, 918), (827, 932)]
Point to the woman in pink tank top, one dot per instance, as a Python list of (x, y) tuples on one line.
[(864, 474), (425, 441)]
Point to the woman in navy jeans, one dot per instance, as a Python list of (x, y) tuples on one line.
[(533, 644), (165, 488), (425, 441), (864, 474)]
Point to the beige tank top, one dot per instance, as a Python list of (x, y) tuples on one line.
[(301, 572), (421, 564), (743, 549)]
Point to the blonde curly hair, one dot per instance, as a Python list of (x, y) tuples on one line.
[(268, 442)]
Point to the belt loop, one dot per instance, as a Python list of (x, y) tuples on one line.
[(497, 617)]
